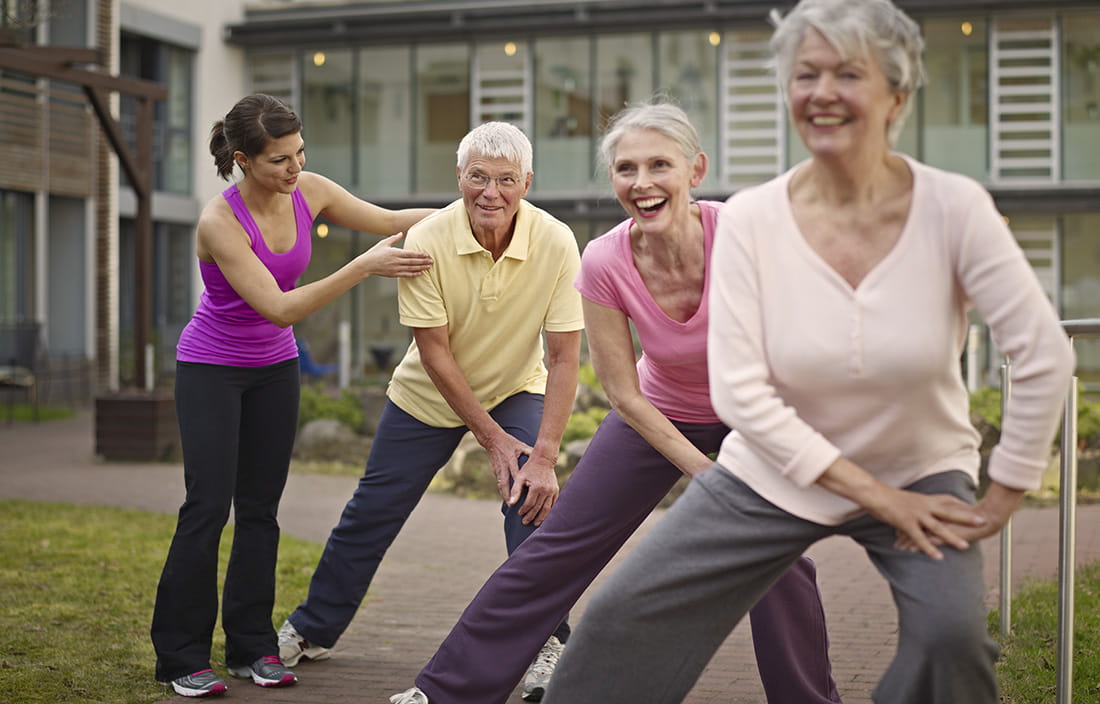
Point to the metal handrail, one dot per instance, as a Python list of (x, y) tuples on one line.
[(1006, 530), (1067, 515)]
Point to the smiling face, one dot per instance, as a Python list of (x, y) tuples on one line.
[(652, 179), (278, 166), (492, 208), (839, 106)]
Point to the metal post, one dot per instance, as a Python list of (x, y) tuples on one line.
[(1067, 512), (343, 353), (1006, 531), (1067, 546), (973, 358)]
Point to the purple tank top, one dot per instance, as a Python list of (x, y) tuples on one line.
[(225, 329)]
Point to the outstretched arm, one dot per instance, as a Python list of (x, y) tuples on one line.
[(333, 202), (612, 351)]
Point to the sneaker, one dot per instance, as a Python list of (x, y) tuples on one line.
[(268, 671), (410, 696), (293, 647), (203, 683), (538, 675)]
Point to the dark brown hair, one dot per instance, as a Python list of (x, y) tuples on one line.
[(253, 122)]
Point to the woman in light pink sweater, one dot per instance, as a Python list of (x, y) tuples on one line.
[(838, 315)]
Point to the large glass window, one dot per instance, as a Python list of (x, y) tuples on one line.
[(385, 122), (954, 102), (624, 72), (501, 71), (442, 115), (1081, 282), (688, 73), (176, 168), (563, 135), (173, 252), (143, 57), (16, 255), (328, 113), (1081, 108), (275, 74)]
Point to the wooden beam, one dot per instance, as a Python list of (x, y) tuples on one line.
[(54, 63), (24, 61), (135, 168), (67, 55), (143, 243)]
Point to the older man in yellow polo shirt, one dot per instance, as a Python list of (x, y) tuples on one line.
[(501, 281)]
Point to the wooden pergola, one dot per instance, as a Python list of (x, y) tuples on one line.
[(77, 66)]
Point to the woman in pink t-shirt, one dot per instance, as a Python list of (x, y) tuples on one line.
[(652, 269)]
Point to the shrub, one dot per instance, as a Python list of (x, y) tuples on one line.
[(985, 414), (587, 376), (318, 403), (583, 424)]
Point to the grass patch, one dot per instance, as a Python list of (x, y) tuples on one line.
[(1027, 670), (24, 413), (77, 585)]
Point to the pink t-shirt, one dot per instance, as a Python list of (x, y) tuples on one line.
[(672, 371), (225, 329)]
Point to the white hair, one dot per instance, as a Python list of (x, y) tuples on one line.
[(856, 28), (496, 140)]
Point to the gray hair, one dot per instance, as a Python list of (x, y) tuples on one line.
[(660, 116), (856, 28), (497, 140)]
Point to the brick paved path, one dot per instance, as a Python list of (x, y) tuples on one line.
[(449, 547)]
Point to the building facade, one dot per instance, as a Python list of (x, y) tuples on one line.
[(66, 210), (386, 90)]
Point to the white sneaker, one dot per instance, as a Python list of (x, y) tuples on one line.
[(538, 675), (410, 696), (293, 647)]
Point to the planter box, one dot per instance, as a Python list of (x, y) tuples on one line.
[(137, 427)]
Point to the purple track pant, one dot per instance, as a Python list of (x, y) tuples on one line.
[(618, 482)]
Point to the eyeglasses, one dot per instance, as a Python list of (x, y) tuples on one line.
[(480, 180)]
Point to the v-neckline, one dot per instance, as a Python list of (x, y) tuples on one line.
[(882, 264)]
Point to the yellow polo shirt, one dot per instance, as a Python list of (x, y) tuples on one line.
[(495, 311)]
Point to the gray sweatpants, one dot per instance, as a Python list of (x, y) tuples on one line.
[(650, 630)]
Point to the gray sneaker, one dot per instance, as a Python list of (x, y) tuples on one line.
[(203, 683), (413, 695), (293, 647), (538, 675), (268, 671)]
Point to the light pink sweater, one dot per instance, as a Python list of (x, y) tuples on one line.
[(806, 369)]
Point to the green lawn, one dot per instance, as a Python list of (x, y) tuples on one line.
[(77, 586), (1028, 669)]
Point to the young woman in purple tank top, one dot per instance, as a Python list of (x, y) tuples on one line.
[(237, 386)]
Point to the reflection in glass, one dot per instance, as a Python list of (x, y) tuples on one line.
[(688, 73), (500, 92), (328, 115), (385, 121), (955, 108), (1081, 107), (624, 72), (563, 135), (442, 115), (1081, 281)]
